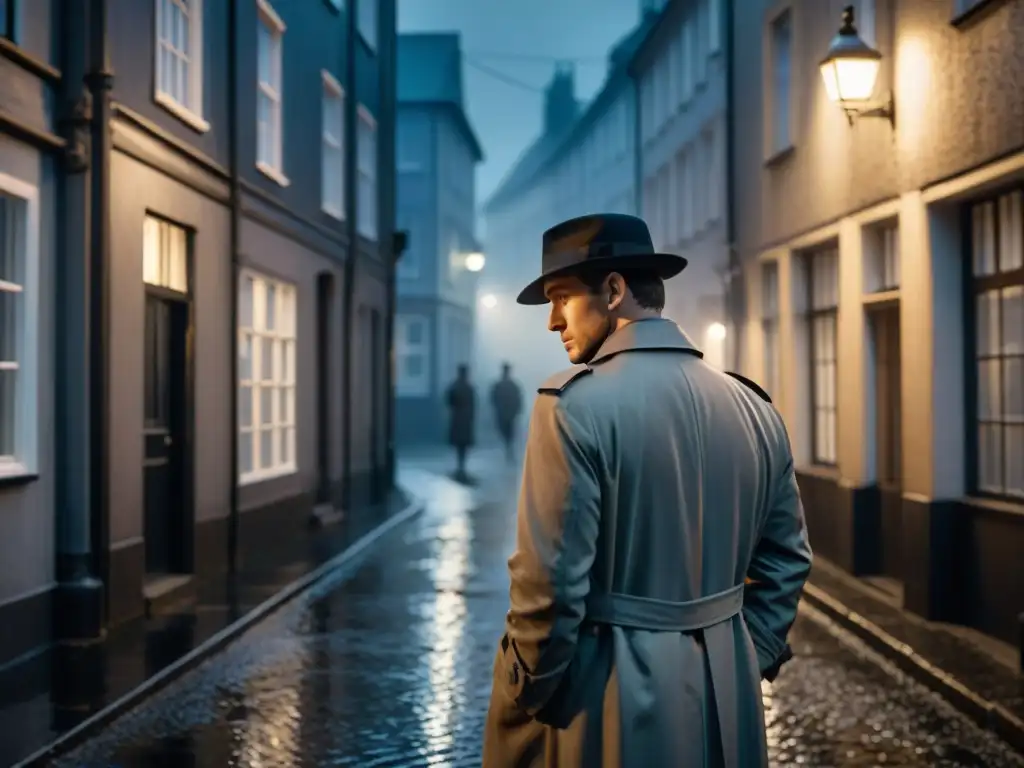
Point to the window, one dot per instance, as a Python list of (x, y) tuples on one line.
[(266, 378), (268, 97), (412, 355), (164, 255), (780, 46), (961, 7), (368, 14), (19, 271), (686, 55), (998, 288), (770, 325), (715, 152), (9, 19), (179, 60), (333, 150), (882, 254), (367, 199), (714, 26), (823, 289)]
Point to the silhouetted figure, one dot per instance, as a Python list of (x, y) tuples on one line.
[(507, 400), (462, 412)]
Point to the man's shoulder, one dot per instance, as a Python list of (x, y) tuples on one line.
[(560, 382)]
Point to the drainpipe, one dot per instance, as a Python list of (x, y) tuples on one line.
[(734, 287), (78, 606), (393, 243), (234, 236), (351, 209), (100, 80)]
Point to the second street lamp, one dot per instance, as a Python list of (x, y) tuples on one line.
[(850, 71)]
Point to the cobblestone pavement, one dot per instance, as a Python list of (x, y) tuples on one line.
[(388, 664)]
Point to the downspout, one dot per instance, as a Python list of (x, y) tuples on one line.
[(234, 237), (389, 240), (734, 287), (351, 158), (100, 81)]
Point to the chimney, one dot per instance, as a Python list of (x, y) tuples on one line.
[(560, 105)]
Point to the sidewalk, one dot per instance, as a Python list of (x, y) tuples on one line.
[(949, 660), (49, 695)]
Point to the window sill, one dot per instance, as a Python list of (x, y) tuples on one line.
[(369, 46), (779, 155), (186, 115), (997, 505), (273, 174), (16, 475), (823, 471), (975, 13), (334, 213), (263, 475), (368, 237)]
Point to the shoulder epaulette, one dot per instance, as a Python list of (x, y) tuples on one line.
[(750, 385), (556, 384)]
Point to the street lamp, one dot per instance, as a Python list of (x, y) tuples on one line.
[(490, 301), (850, 70), (716, 332), (475, 262)]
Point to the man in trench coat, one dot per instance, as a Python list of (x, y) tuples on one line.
[(660, 549)]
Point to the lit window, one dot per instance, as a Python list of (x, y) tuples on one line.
[(333, 156), (823, 284), (179, 59), (997, 244), (269, 140), (367, 198), (164, 255), (266, 378), (19, 339)]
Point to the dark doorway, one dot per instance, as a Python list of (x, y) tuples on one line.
[(378, 402), (324, 295), (167, 497), (885, 328)]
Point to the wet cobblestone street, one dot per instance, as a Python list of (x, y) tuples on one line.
[(388, 663)]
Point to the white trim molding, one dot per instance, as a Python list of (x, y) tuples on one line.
[(24, 458)]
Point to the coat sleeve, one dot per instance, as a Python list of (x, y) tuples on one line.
[(778, 570), (556, 535)]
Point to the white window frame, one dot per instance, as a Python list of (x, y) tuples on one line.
[(24, 460), (822, 271), (368, 22), (283, 381), (272, 167), (332, 148), (189, 111), (779, 104), (406, 386), (367, 172)]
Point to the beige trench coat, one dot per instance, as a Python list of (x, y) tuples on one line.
[(653, 485)]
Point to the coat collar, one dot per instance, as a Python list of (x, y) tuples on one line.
[(655, 333)]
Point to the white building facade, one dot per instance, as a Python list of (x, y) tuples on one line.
[(681, 75)]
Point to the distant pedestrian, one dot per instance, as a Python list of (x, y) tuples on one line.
[(461, 399), (660, 540), (507, 400)]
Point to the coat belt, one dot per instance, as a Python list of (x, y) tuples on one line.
[(646, 613), (708, 615)]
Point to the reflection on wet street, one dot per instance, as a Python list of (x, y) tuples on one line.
[(389, 664)]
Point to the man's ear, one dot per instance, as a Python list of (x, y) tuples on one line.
[(616, 287)]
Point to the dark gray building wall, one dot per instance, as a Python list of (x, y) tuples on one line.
[(27, 496)]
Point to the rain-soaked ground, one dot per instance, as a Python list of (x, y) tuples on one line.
[(389, 664)]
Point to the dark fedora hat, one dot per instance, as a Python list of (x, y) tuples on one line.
[(607, 241)]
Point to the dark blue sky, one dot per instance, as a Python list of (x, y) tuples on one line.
[(520, 40)]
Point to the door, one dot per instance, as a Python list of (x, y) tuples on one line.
[(324, 290), (886, 331), (166, 329)]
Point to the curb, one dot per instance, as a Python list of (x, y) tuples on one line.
[(988, 714), (87, 728)]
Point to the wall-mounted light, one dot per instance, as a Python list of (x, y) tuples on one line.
[(850, 70), (489, 301), (716, 332), (475, 262)]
